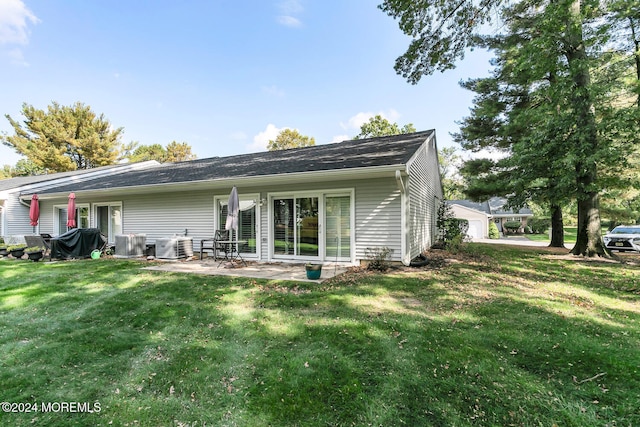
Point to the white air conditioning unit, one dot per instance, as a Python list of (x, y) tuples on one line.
[(174, 247), (131, 245)]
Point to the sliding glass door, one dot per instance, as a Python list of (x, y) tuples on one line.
[(296, 227), (109, 220), (337, 228)]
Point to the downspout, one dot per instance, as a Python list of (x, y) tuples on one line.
[(403, 220), (400, 182), (23, 203)]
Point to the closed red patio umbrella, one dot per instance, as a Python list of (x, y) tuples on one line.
[(71, 211), (34, 211)]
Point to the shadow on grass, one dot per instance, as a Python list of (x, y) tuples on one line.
[(448, 347)]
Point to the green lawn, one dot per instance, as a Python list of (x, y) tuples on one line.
[(499, 336), (570, 235)]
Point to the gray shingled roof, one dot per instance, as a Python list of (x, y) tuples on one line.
[(20, 181), (382, 151), (478, 206), (493, 206)]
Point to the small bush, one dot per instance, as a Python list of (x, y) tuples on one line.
[(378, 258), (449, 228), (512, 226), (494, 233), (539, 225)]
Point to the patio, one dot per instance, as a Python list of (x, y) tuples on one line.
[(269, 271)]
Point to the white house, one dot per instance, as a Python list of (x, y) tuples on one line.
[(14, 209), (479, 214), (323, 203)]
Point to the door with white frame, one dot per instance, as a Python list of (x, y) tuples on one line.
[(108, 219), (338, 227), (60, 218), (248, 221), (311, 226)]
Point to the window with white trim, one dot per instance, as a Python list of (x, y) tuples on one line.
[(60, 218)]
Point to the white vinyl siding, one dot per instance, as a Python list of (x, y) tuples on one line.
[(16, 218), (378, 217), (168, 215), (425, 193)]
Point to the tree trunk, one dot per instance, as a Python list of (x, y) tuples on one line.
[(557, 227), (589, 240), (636, 44)]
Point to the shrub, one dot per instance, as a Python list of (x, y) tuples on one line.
[(449, 228), (512, 226), (539, 225), (494, 233), (378, 258)]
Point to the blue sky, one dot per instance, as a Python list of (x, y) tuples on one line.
[(225, 76)]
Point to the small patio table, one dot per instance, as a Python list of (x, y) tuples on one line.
[(232, 250)]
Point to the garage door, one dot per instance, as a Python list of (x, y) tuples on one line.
[(475, 229)]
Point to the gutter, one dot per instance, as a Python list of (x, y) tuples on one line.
[(228, 182)]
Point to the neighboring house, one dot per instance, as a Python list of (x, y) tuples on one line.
[(474, 213), (480, 213), (323, 203), (14, 209)]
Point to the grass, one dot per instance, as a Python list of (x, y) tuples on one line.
[(570, 235), (495, 336)]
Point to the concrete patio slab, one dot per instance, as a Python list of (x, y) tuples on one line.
[(269, 271)]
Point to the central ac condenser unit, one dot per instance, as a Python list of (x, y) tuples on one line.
[(174, 247), (131, 245)]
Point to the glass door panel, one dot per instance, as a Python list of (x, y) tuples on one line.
[(338, 228), (307, 226), (115, 215), (247, 222), (283, 230), (295, 227)]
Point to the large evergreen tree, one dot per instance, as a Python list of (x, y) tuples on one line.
[(64, 138), (558, 124)]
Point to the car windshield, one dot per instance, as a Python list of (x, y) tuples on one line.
[(626, 230)]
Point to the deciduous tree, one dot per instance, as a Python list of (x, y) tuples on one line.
[(379, 126), (290, 138)]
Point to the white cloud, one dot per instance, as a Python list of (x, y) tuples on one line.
[(261, 140), (355, 122), (273, 90), (289, 21), (289, 7), (14, 22), (288, 11)]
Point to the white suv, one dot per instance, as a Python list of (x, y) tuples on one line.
[(623, 238)]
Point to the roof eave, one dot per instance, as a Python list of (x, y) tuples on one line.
[(258, 180)]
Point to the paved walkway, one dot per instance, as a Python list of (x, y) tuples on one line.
[(270, 271)]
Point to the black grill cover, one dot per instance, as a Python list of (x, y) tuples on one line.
[(77, 243)]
